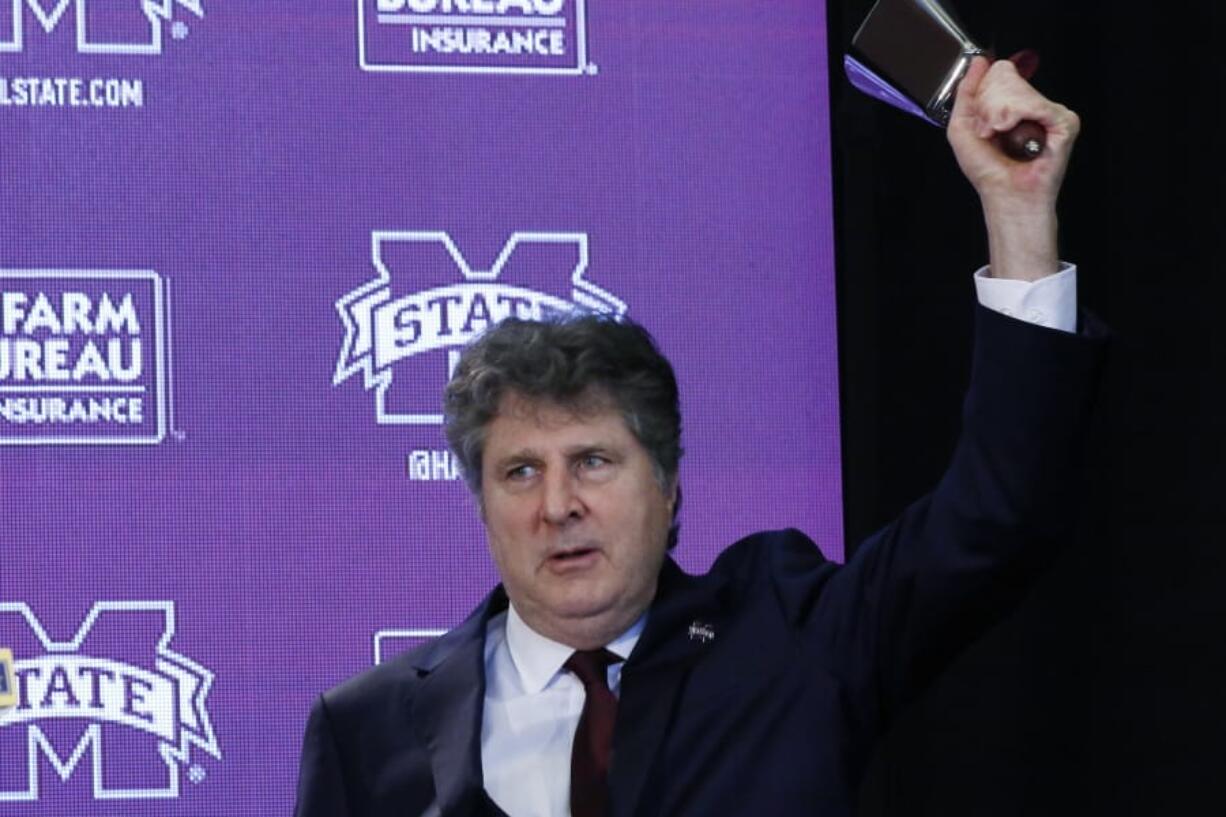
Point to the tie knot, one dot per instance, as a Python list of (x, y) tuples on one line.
[(591, 666)]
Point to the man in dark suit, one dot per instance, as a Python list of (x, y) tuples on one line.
[(599, 679)]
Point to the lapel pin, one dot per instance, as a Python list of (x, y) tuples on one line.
[(701, 631)]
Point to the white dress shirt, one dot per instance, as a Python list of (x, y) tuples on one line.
[(532, 708), (532, 704)]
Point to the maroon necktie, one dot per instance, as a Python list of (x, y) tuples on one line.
[(589, 760)]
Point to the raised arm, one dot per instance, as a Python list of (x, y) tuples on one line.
[(920, 590)]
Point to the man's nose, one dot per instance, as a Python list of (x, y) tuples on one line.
[(561, 502)]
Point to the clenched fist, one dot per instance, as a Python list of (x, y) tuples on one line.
[(1018, 197)]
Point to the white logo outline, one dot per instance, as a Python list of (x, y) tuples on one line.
[(155, 11), (382, 636), (162, 346), (168, 662), (580, 66)]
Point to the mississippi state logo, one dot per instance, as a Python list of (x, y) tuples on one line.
[(124, 27), (113, 702), (473, 36), (405, 329)]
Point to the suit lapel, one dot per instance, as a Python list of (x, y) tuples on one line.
[(447, 705), (685, 618), (447, 708)]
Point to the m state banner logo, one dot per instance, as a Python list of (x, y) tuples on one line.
[(116, 692), (405, 329), (473, 36), (102, 26)]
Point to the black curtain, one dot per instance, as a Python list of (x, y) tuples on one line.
[(1105, 691)]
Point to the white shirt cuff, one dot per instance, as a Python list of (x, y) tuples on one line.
[(1050, 301)]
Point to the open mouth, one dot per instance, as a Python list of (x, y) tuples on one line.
[(574, 558)]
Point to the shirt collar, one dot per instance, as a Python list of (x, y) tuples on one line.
[(538, 659)]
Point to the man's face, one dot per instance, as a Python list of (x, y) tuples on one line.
[(576, 520)]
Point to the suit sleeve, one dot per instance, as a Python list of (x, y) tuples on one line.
[(321, 784), (923, 588)]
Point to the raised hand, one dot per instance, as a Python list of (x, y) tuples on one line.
[(1018, 197)]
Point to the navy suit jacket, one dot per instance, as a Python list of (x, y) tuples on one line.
[(761, 687)]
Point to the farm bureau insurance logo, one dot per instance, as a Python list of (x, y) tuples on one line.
[(83, 357), (115, 27), (473, 36), (115, 691), (404, 330)]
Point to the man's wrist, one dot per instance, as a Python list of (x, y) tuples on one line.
[(1022, 243)]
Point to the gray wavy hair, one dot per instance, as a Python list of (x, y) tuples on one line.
[(580, 361)]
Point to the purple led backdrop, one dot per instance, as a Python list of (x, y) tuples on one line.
[(240, 244)]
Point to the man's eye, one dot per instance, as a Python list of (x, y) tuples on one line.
[(521, 472), (593, 461)]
